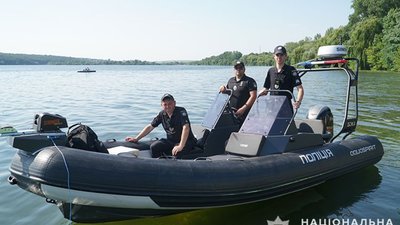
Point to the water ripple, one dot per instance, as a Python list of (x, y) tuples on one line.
[(118, 101)]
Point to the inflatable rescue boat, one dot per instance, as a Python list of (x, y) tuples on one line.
[(272, 154)]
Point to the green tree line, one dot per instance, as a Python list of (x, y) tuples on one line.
[(371, 35), (27, 59)]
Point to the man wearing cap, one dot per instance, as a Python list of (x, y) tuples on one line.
[(283, 77), (244, 91), (175, 121)]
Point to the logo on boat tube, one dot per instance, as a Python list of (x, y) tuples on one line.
[(362, 150), (316, 156)]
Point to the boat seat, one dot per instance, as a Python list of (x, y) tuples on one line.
[(310, 126), (122, 149), (201, 134), (313, 126)]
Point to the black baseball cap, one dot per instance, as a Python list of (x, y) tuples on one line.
[(238, 63), (280, 50), (167, 96)]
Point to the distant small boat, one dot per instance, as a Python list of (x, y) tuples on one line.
[(86, 70)]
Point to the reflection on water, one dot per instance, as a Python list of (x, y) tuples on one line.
[(380, 107), (117, 101)]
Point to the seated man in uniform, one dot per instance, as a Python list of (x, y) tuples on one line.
[(175, 121)]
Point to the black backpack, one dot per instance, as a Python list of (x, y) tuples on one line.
[(83, 137)]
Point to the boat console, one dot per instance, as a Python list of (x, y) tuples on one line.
[(218, 123), (270, 129)]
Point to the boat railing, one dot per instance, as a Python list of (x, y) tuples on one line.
[(349, 122)]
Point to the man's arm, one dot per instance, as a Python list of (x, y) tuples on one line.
[(250, 101), (146, 130), (252, 98), (300, 95)]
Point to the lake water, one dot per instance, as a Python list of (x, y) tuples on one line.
[(118, 101)]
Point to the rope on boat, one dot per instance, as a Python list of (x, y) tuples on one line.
[(68, 178)]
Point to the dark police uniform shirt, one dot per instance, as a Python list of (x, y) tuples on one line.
[(241, 90), (287, 79), (173, 126)]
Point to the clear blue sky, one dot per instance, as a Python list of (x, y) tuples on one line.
[(158, 30)]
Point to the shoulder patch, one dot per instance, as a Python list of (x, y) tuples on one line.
[(183, 113)]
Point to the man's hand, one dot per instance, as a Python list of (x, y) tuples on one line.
[(296, 104), (131, 139), (239, 113), (176, 149), (263, 92)]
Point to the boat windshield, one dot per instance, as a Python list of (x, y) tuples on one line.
[(215, 110), (270, 115)]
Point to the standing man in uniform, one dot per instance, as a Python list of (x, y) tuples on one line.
[(175, 121), (244, 91), (283, 77)]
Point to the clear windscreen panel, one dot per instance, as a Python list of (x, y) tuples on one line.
[(215, 110), (270, 114)]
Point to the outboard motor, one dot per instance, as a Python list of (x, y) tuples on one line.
[(46, 122), (324, 114), (46, 132)]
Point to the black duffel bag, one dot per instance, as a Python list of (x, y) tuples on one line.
[(83, 137)]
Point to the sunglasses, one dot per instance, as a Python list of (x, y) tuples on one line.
[(239, 68)]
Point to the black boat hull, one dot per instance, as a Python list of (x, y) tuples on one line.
[(129, 187)]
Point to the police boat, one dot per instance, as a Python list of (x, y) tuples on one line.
[(270, 155), (86, 70)]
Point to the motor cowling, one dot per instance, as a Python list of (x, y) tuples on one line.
[(46, 132), (46, 122), (324, 114)]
